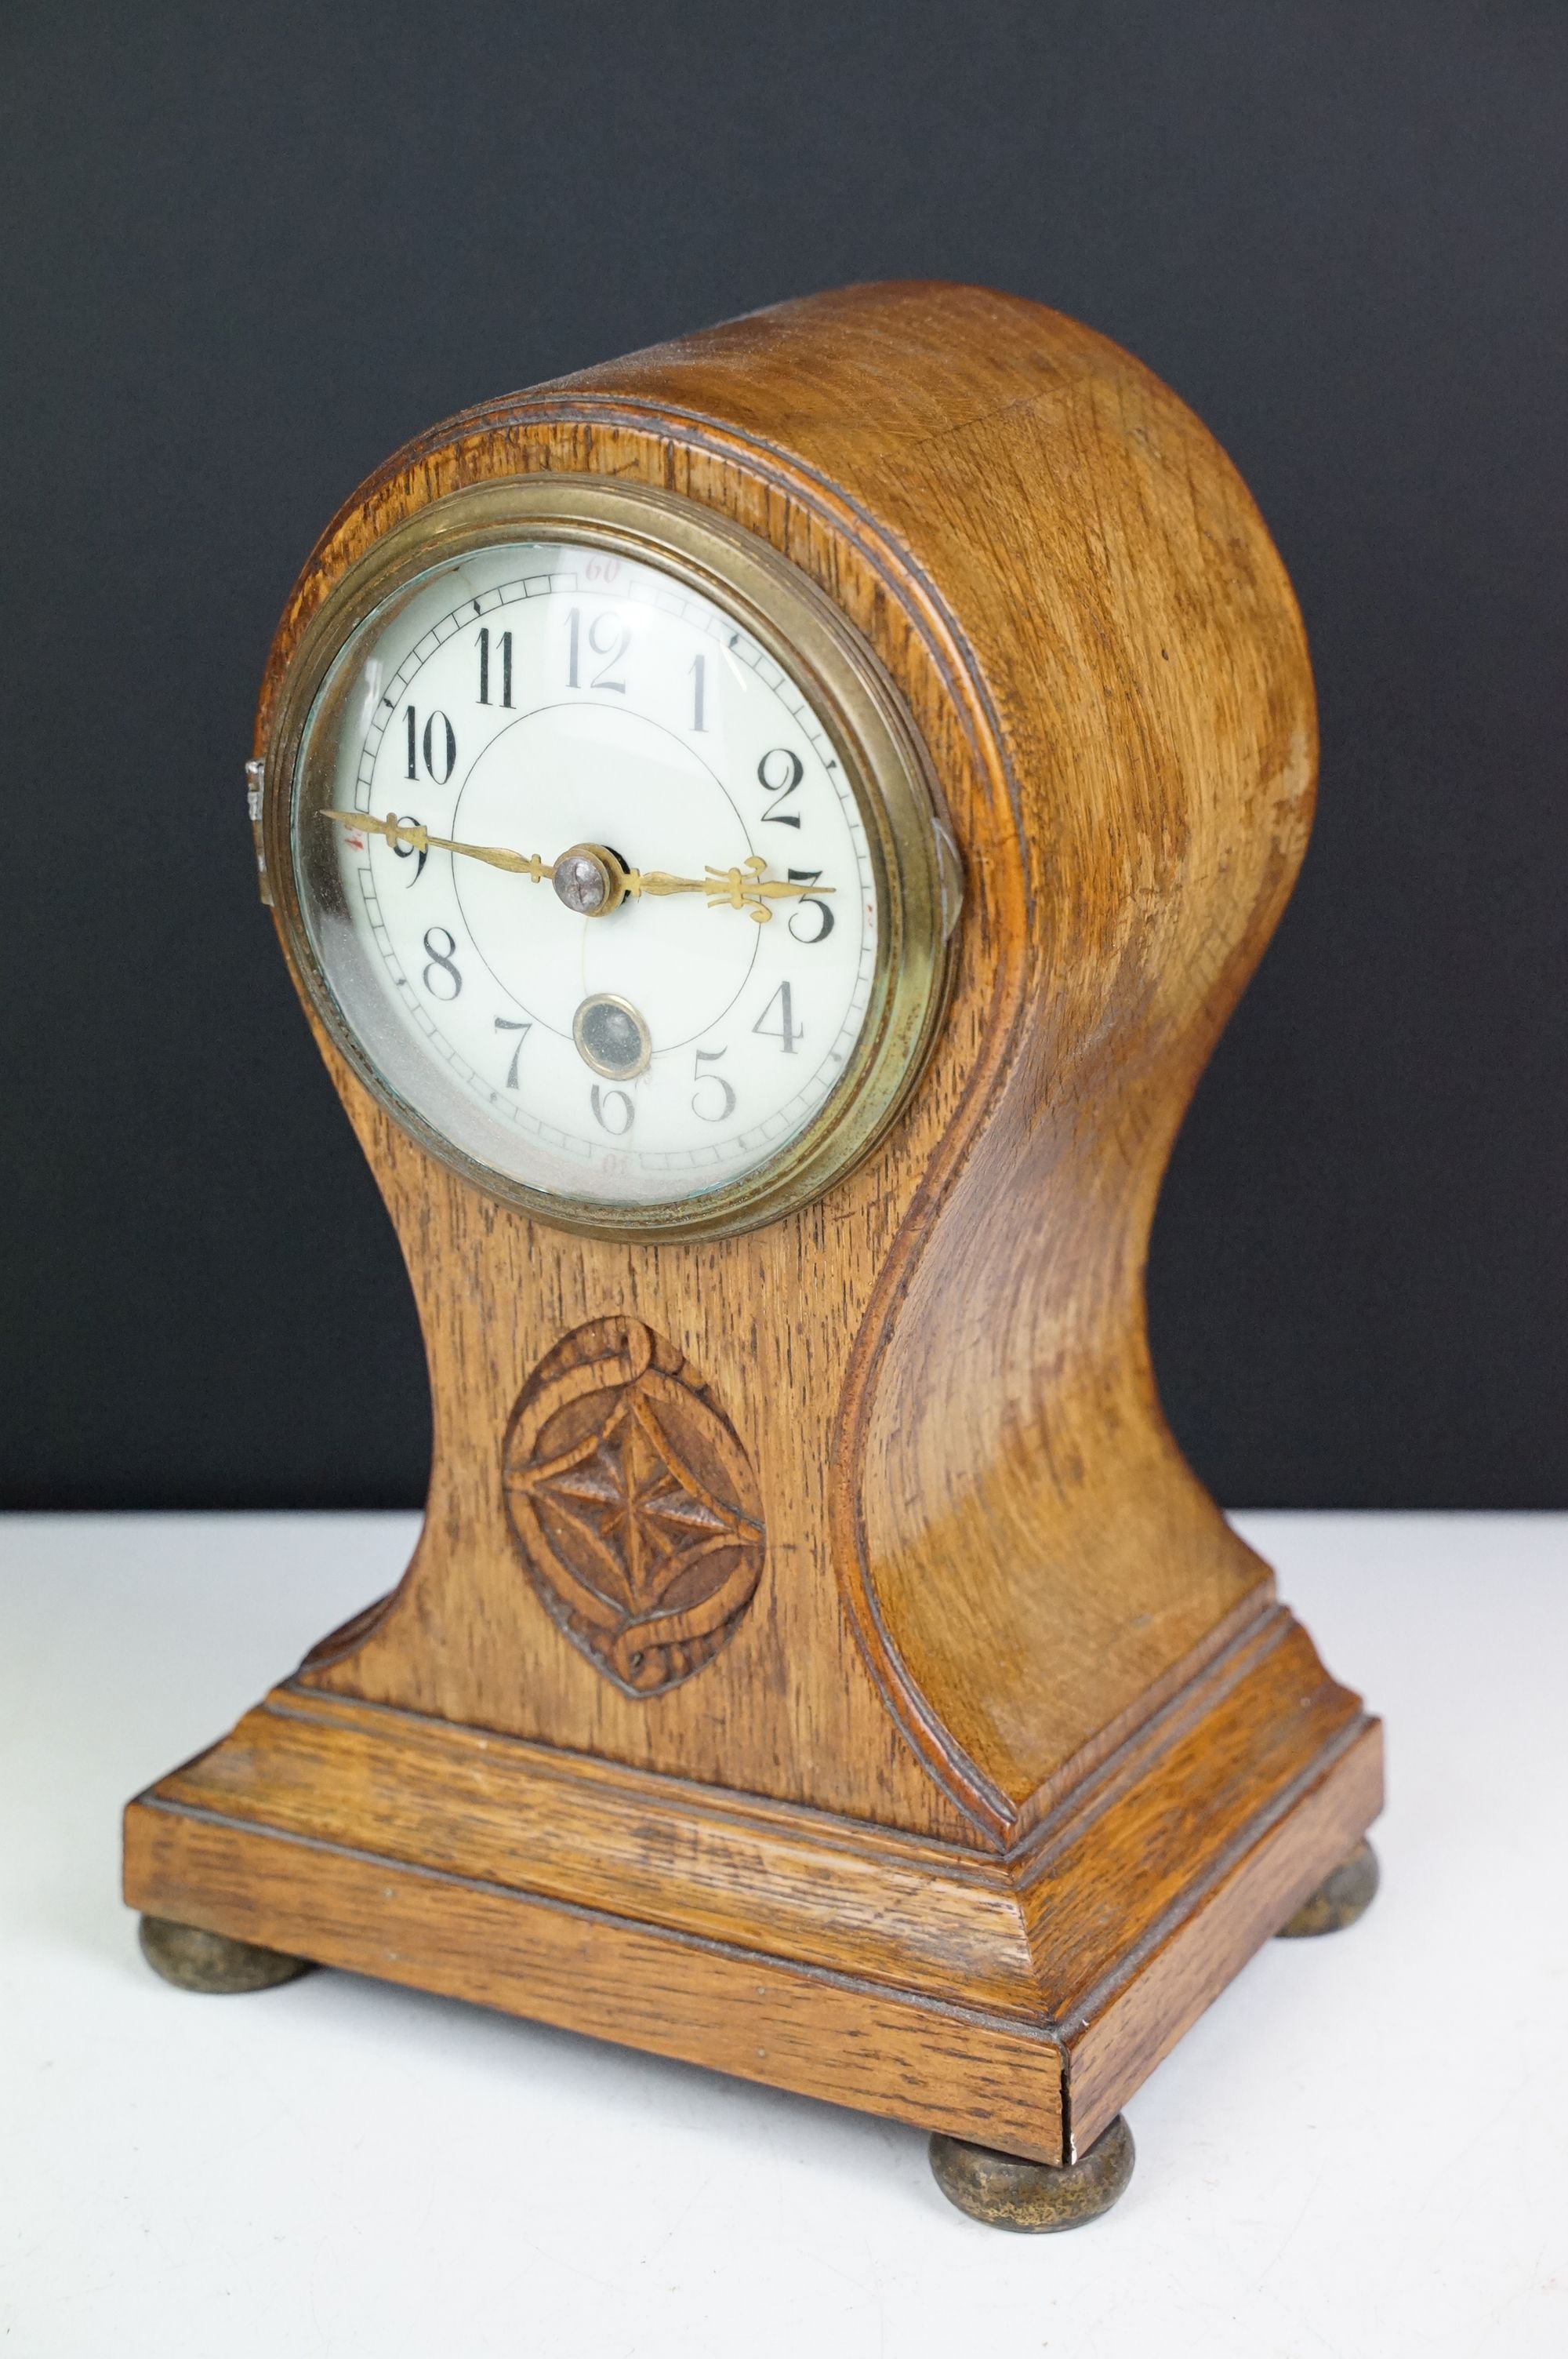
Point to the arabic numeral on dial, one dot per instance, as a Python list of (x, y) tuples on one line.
[(612, 1110), (418, 852), (504, 652), (703, 1105), (511, 1024), (441, 962), (787, 1031), (822, 924), (779, 774), (606, 636), (439, 745), (698, 669)]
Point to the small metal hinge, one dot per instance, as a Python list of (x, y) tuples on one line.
[(950, 876), (255, 783)]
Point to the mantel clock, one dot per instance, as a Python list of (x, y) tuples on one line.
[(766, 833)]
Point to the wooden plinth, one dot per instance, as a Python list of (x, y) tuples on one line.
[(1017, 2000)]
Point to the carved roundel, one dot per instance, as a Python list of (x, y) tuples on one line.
[(633, 1504)]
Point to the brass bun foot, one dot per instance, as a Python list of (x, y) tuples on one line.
[(198, 1961), (1339, 1899), (1034, 2198)]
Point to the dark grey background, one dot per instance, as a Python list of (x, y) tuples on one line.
[(247, 251)]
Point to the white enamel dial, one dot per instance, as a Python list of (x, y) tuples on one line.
[(534, 697)]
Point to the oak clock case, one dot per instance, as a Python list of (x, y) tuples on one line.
[(817, 1661), (604, 666)]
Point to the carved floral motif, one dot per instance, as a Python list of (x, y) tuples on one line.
[(634, 1504)]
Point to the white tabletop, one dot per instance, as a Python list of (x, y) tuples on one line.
[(1359, 2153)]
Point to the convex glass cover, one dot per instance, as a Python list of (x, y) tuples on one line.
[(621, 883)]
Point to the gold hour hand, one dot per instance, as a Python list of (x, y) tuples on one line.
[(396, 830), (748, 887), (593, 880), (753, 888)]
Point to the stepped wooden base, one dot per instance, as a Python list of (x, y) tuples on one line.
[(1013, 1999)]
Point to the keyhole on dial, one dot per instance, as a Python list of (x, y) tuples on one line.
[(612, 1036)]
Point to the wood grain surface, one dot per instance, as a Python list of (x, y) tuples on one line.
[(1012, 1712), (862, 2045)]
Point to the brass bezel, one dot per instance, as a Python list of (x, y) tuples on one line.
[(913, 862)]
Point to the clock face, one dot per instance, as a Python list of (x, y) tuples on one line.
[(586, 872)]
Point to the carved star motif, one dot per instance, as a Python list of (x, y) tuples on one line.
[(628, 1487)]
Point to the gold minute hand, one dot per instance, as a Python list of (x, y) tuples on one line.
[(591, 880), (397, 831)]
